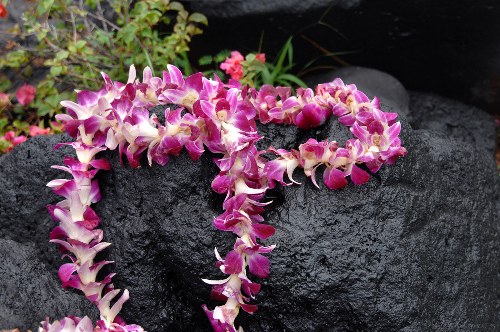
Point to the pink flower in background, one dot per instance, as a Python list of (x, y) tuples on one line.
[(11, 137), (261, 57), (19, 139), (25, 94), (232, 65), (4, 99), (35, 131)]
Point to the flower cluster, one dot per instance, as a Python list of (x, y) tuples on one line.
[(11, 139), (377, 132), (236, 66), (13, 135), (24, 95), (80, 241), (220, 118)]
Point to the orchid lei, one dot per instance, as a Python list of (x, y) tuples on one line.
[(220, 117)]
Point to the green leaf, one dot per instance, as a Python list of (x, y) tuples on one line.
[(21, 125), (205, 60), (5, 83), (139, 8), (290, 53), (56, 70), (53, 101), (128, 33), (198, 18), (41, 34), (177, 6), (61, 55), (267, 77), (250, 57), (4, 145), (3, 124), (222, 55), (43, 110), (15, 59), (293, 79), (44, 6), (80, 44), (102, 37), (91, 3), (281, 57)]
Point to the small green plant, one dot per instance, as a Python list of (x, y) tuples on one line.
[(77, 42), (254, 70), (278, 73)]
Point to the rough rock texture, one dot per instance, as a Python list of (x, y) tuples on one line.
[(461, 122), (372, 82), (29, 292), (29, 286), (24, 196), (237, 8), (415, 249)]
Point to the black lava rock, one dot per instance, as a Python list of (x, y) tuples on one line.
[(414, 249), (238, 8), (24, 196), (463, 123), (448, 47), (29, 292)]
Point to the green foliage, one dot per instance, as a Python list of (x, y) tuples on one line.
[(213, 63), (256, 72), (4, 146), (278, 73), (76, 41)]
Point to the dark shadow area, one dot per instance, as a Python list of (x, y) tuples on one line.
[(447, 47)]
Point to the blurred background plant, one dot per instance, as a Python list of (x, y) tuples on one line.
[(70, 42), (15, 131), (253, 69)]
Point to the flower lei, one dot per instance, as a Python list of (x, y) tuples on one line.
[(220, 117)]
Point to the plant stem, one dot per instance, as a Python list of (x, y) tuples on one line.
[(325, 51)]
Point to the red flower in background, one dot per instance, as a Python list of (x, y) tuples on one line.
[(232, 66), (261, 57), (14, 140), (3, 11), (25, 94), (35, 131)]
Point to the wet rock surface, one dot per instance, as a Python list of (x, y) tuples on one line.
[(414, 249), (463, 123), (238, 8), (24, 196), (29, 292)]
